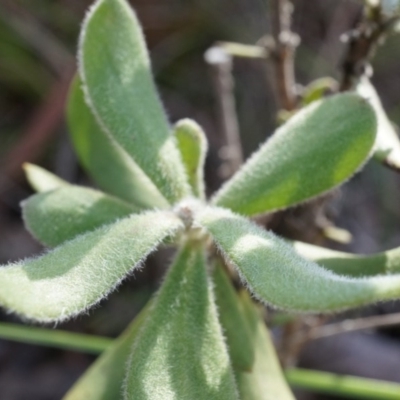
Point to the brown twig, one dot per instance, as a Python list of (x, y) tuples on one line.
[(231, 152), (362, 43), (282, 50)]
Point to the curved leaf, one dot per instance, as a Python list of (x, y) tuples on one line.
[(266, 380), (180, 352), (387, 146), (321, 147), (192, 144), (104, 379), (386, 262), (62, 214), (119, 88), (107, 163), (42, 180), (233, 322), (276, 274), (79, 273)]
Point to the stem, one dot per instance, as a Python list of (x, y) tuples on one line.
[(341, 385), (54, 338), (283, 51)]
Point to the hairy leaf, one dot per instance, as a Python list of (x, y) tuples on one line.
[(62, 214), (192, 144), (280, 277), (104, 379), (115, 70), (387, 146), (105, 160), (79, 273), (42, 180), (386, 262), (318, 149), (265, 381), (180, 352), (233, 321)]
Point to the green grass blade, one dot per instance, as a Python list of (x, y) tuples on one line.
[(233, 321), (180, 352), (349, 387), (318, 149), (105, 161), (386, 262), (104, 379), (119, 88), (54, 338), (266, 380), (277, 275), (62, 214), (78, 274), (192, 144), (42, 180)]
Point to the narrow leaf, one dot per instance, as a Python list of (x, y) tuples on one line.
[(115, 70), (78, 274), (180, 352), (192, 144), (280, 277), (62, 214), (387, 146), (42, 180), (350, 387), (106, 162), (233, 322), (266, 380), (316, 150), (104, 379), (386, 262)]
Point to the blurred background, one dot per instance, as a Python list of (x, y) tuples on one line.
[(38, 41)]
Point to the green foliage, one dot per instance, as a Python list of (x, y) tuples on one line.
[(189, 343), (115, 69), (321, 147), (62, 214), (180, 352)]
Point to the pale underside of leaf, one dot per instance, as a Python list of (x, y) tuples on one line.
[(119, 88), (386, 262), (266, 380), (180, 351), (192, 144), (277, 275), (62, 214), (318, 149), (387, 145), (78, 274), (104, 159), (104, 379), (42, 180)]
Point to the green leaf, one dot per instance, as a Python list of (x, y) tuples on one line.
[(180, 352), (386, 262), (321, 147), (280, 277), (62, 214), (107, 163), (318, 89), (192, 144), (233, 322), (104, 379), (115, 70), (42, 180), (387, 146), (78, 274), (266, 380), (350, 387)]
